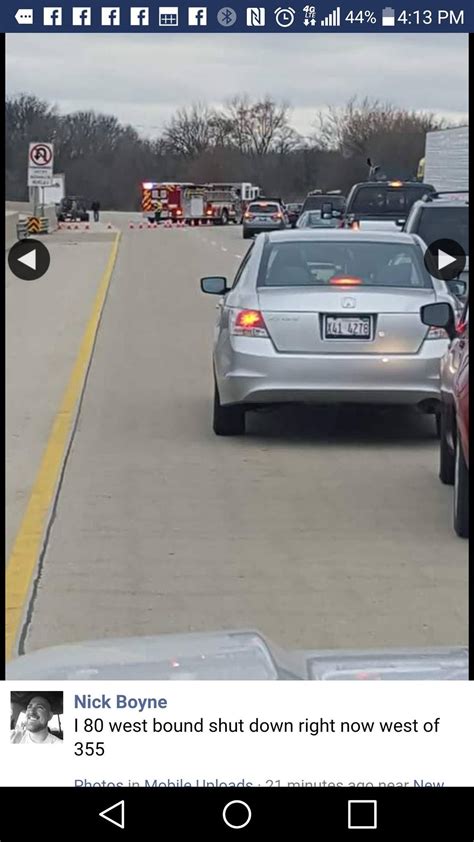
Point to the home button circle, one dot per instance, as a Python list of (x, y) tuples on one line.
[(237, 814)]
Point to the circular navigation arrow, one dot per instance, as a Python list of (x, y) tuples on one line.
[(29, 259), (445, 259)]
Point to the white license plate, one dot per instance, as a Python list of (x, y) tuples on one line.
[(343, 327)]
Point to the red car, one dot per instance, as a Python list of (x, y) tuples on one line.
[(455, 430)]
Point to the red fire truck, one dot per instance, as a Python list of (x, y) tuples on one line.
[(216, 203)]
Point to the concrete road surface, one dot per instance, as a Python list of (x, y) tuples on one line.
[(321, 528)]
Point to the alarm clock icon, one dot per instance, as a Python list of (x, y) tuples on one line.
[(285, 17)]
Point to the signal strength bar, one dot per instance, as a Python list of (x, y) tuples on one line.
[(334, 19)]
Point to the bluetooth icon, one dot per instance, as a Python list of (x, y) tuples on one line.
[(226, 16)]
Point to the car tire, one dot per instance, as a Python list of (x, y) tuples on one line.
[(446, 455), (227, 420), (461, 493)]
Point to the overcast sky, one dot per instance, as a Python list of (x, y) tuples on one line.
[(142, 79)]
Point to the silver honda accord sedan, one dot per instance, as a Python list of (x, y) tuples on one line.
[(326, 317)]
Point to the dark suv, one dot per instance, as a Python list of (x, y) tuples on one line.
[(442, 216), (321, 201)]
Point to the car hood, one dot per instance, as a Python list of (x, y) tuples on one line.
[(232, 655)]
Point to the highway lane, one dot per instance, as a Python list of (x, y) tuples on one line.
[(324, 528), (45, 320)]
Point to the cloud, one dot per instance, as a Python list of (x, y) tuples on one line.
[(142, 79)]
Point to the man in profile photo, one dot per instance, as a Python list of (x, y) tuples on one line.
[(38, 711)]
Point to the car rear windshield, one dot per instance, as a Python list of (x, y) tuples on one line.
[(324, 263), (385, 200), (265, 207), (438, 223), (317, 202)]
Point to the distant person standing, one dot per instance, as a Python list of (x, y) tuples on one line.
[(158, 209), (95, 207)]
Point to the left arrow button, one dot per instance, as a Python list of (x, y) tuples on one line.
[(29, 259), (115, 814)]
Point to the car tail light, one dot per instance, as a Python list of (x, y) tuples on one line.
[(437, 333), (277, 216), (345, 281), (248, 215), (209, 211), (461, 327), (179, 212), (248, 323)]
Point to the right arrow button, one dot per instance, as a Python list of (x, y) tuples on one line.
[(445, 259)]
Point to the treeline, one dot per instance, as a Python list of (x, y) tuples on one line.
[(244, 140)]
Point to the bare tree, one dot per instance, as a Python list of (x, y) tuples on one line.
[(191, 131)]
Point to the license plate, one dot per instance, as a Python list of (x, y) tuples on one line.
[(344, 327)]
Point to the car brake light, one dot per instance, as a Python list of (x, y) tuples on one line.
[(209, 211), (345, 281), (248, 215), (461, 327), (179, 212), (395, 183), (277, 216), (248, 323)]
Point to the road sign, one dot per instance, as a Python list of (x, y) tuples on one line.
[(40, 164)]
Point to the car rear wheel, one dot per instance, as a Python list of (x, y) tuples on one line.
[(461, 493), (227, 420), (446, 455)]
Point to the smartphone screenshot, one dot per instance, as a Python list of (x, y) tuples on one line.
[(237, 420)]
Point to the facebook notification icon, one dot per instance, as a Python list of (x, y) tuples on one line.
[(52, 16), (139, 16), (197, 16), (110, 16), (81, 16)]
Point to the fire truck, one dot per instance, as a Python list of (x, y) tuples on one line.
[(245, 192), (184, 201)]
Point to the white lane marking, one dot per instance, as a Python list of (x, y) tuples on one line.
[(238, 255), (224, 249), (213, 243)]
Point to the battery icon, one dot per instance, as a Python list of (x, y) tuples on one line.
[(388, 16)]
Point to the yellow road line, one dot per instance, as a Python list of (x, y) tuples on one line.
[(27, 547)]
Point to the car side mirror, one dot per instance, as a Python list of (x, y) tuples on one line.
[(458, 288), (214, 285), (439, 315)]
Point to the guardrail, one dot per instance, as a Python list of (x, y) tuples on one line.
[(22, 229)]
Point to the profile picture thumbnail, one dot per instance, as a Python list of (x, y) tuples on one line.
[(36, 716)]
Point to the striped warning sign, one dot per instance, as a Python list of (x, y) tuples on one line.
[(147, 201), (33, 224)]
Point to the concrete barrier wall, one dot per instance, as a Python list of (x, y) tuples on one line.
[(50, 214), (11, 222)]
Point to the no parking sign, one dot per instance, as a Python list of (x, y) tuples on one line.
[(40, 164)]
